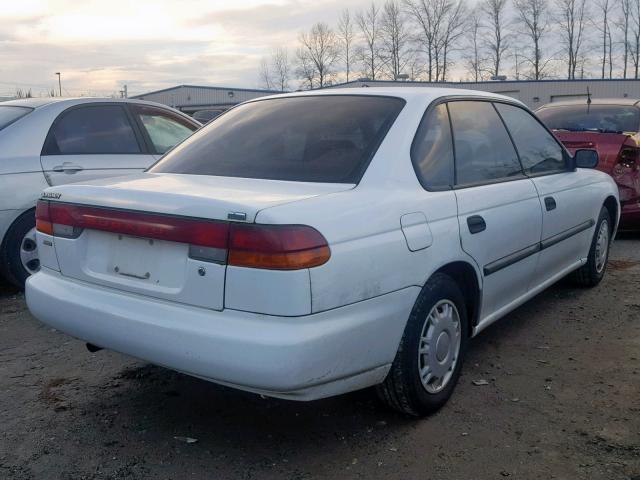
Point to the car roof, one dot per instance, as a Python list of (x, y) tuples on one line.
[(594, 101), (407, 93), (41, 102)]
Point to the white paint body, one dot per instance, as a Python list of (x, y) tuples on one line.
[(334, 328), (25, 173)]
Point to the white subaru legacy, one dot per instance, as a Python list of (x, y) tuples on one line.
[(310, 244)]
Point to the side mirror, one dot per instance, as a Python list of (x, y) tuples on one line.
[(586, 158)]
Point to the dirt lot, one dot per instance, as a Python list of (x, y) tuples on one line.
[(563, 402)]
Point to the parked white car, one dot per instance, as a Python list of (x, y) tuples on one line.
[(53, 141), (310, 244)]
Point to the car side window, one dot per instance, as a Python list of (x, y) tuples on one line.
[(432, 150), (92, 129), (539, 151), (483, 150), (165, 130)]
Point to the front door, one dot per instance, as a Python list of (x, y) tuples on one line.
[(566, 202)]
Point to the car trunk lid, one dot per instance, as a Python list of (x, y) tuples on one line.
[(151, 234)]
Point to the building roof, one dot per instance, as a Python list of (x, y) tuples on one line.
[(484, 82), (206, 87)]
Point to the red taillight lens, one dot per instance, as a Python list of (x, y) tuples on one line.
[(206, 233), (43, 219), (277, 247)]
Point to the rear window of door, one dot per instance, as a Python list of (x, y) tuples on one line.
[(483, 150), (165, 129), (432, 150), (323, 138), (92, 129), (539, 151)]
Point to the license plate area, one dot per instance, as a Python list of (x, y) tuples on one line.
[(156, 268)]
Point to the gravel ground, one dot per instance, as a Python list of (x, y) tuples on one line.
[(562, 401)]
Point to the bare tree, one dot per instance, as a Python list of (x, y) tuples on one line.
[(319, 51), (428, 16), (346, 39), (533, 15), (275, 72), (604, 12), (369, 54), (571, 19), (473, 56), (496, 38), (23, 93), (265, 75), (635, 46), (305, 69), (624, 24), (394, 38), (454, 27)]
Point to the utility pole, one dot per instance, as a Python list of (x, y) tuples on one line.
[(126, 94), (59, 82)]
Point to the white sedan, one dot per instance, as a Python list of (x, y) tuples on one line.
[(54, 141), (311, 244)]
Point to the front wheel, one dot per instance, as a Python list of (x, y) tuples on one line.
[(592, 272), (19, 253), (427, 365)]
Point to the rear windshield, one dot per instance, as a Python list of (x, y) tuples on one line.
[(597, 118), (325, 138), (9, 114)]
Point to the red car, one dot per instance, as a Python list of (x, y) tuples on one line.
[(610, 126)]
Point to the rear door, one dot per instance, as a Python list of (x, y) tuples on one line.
[(91, 141), (498, 208), (566, 202)]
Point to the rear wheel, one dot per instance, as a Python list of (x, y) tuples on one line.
[(19, 253), (592, 272), (429, 358)]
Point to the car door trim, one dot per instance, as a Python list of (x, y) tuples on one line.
[(559, 237), (526, 252)]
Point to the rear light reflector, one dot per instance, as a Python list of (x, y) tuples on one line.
[(275, 247)]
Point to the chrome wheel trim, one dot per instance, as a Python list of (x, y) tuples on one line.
[(29, 252), (439, 346), (602, 246)]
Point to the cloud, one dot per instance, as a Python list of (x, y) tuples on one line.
[(148, 44)]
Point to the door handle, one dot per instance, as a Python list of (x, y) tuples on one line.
[(67, 167), (476, 224), (550, 203)]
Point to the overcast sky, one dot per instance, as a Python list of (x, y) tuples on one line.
[(147, 44)]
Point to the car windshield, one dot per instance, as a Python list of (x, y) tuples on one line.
[(323, 138), (9, 114), (596, 118)]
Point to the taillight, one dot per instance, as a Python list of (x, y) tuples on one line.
[(277, 247), (628, 158), (43, 219)]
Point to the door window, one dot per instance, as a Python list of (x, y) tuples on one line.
[(432, 150), (539, 151), (164, 129), (94, 129), (483, 150)]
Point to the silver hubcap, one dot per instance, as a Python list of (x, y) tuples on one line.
[(602, 246), (439, 346), (29, 252)]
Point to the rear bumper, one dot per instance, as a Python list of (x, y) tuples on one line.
[(300, 358)]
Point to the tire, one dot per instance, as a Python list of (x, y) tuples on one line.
[(592, 272), (403, 389), (11, 261)]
